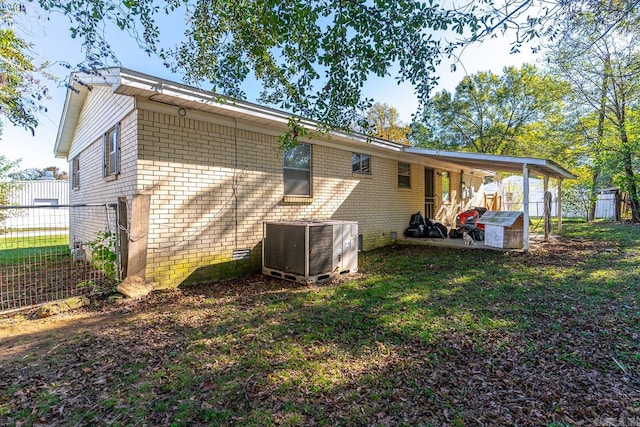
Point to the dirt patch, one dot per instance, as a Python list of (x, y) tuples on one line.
[(25, 335), (568, 252)]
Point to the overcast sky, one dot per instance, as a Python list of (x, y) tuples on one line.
[(52, 42)]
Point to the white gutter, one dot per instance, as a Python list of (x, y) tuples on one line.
[(153, 85)]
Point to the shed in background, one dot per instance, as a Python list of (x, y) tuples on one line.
[(51, 198)]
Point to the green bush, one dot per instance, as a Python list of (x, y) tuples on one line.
[(104, 254)]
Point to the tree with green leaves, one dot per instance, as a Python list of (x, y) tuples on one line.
[(31, 174), (311, 57), (604, 69), (7, 187), (517, 113), (384, 122), (21, 91)]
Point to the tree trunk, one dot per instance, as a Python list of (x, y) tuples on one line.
[(627, 159), (632, 187)]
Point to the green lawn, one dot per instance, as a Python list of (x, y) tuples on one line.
[(421, 336), (18, 250)]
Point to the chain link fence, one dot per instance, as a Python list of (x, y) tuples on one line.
[(42, 259)]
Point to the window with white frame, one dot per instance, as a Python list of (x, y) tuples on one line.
[(75, 173), (360, 163), (404, 175), (297, 170), (111, 152)]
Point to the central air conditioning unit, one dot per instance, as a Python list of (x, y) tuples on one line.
[(310, 251)]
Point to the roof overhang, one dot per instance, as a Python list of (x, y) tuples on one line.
[(132, 83), (497, 163), (123, 81), (78, 87), (69, 121)]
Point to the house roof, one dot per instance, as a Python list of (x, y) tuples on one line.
[(123, 81), (132, 83)]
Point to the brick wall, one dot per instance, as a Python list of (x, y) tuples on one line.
[(213, 185)]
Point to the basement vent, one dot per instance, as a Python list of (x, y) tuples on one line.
[(241, 254)]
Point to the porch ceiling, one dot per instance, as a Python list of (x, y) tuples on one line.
[(496, 163)]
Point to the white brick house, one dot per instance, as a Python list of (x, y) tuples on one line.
[(212, 172)]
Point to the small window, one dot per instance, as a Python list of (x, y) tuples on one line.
[(111, 152), (404, 175), (360, 163), (297, 171), (445, 187), (75, 173)]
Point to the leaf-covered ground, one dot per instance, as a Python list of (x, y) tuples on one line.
[(421, 336)]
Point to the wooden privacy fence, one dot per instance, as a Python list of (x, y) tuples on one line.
[(43, 260)]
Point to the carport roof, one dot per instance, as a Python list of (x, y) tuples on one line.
[(496, 163)]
